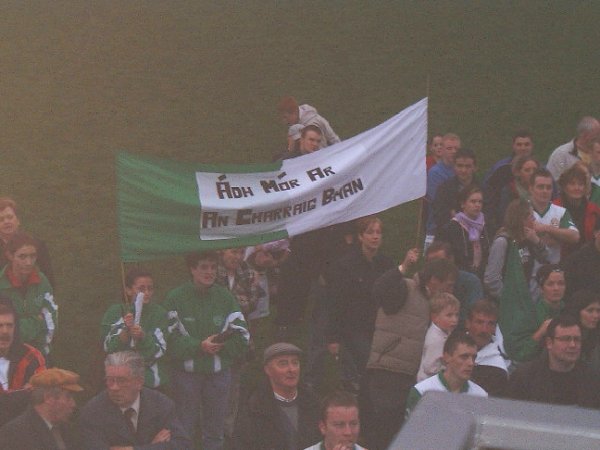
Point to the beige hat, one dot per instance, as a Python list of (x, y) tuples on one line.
[(64, 379)]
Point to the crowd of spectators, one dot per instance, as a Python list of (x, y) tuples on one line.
[(505, 301)]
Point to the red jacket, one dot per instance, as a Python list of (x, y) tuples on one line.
[(25, 361)]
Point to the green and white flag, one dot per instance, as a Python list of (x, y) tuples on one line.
[(167, 208)]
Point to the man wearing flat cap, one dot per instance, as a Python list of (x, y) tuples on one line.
[(45, 425), (281, 414)]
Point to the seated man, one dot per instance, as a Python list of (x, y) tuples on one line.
[(280, 414), (558, 376), (18, 363), (460, 351), (45, 426), (339, 423), (490, 371), (127, 415)]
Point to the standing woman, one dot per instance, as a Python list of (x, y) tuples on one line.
[(522, 167), (30, 292), (575, 186), (149, 337), (9, 225), (518, 235), (525, 341), (352, 309), (467, 233), (585, 305)]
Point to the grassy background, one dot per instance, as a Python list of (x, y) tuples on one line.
[(199, 81)]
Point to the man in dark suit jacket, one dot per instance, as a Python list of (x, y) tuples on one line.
[(44, 426), (280, 414), (127, 415)]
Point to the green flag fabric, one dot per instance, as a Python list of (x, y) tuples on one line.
[(167, 208)]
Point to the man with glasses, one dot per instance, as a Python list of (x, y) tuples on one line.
[(209, 335), (558, 377), (127, 415)]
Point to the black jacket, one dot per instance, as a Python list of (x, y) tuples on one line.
[(352, 308), (259, 423), (532, 381), (30, 432)]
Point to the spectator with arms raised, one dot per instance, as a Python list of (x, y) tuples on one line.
[(120, 332)]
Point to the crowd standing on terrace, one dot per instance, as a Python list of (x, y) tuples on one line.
[(503, 300)]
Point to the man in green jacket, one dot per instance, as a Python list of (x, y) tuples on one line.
[(209, 334)]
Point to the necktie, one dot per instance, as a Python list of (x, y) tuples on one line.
[(60, 443), (128, 414)]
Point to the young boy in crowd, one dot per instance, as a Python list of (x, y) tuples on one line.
[(444, 311)]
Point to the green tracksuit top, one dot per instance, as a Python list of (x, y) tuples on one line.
[(199, 316), (152, 347), (34, 303)]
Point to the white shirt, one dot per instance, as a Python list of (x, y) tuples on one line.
[(4, 365), (136, 407)]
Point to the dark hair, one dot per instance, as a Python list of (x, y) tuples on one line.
[(456, 338), (134, 274), (337, 398), (581, 300), (437, 246), (440, 269), (563, 321), (540, 172), (522, 133), (483, 306), (467, 191), (517, 164), (18, 240), (192, 259), (308, 128), (544, 272), (7, 306), (465, 153)]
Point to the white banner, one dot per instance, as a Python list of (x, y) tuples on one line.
[(369, 173)]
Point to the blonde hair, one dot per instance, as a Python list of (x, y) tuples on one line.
[(441, 301)]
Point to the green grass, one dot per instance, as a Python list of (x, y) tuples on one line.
[(199, 81)]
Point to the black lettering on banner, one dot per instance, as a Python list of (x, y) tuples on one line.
[(211, 219), (318, 173), (345, 191)]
